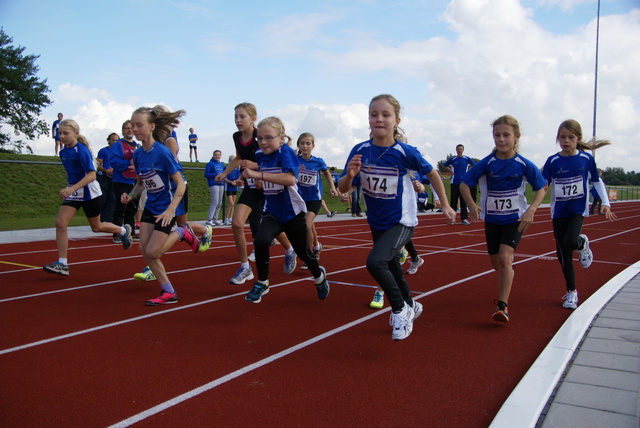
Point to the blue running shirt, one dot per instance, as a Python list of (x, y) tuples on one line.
[(77, 162), (309, 180), (155, 168)]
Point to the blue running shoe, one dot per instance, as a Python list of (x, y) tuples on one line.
[(259, 289), (322, 287), (241, 276), (126, 239), (57, 268), (289, 263)]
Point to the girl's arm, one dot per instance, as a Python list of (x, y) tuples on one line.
[(172, 145), (527, 217), (125, 198), (327, 175), (438, 188), (170, 212), (282, 178), (232, 165), (353, 168), (68, 191)]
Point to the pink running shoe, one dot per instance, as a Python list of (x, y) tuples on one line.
[(190, 237), (163, 299)]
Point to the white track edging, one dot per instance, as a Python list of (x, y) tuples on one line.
[(527, 401)]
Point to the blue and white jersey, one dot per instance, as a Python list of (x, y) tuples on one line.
[(155, 168), (568, 178), (309, 180), (460, 165), (502, 184), (77, 162), (282, 202), (105, 154), (385, 177), (233, 175)]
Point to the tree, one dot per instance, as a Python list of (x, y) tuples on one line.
[(22, 96)]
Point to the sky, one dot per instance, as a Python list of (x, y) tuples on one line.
[(454, 66)]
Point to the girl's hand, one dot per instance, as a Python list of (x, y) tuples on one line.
[(449, 213), (354, 165), (608, 214), (65, 193), (125, 198), (474, 212), (525, 221), (437, 203), (247, 164), (418, 186), (165, 218)]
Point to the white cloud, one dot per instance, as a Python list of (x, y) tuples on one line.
[(74, 93)]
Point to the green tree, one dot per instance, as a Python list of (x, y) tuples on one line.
[(22, 96)]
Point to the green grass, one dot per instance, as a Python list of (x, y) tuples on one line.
[(30, 192)]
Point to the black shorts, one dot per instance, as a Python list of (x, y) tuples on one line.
[(498, 234), (91, 207), (253, 198), (149, 217), (313, 206), (232, 192)]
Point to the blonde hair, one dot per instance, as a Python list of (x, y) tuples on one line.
[(164, 119), (81, 138), (512, 122), (398, 133), (276, 124), (574, 127), (249, 108)]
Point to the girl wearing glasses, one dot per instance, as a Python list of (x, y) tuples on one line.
[(277, 168)]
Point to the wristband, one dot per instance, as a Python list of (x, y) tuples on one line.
[(133, 195)]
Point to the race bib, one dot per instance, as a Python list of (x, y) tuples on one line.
[(568, 188), (379, 181), (77, 196), (502, 202), (152, 182), (307, 178), (269, 188)]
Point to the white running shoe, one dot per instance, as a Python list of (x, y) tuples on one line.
[(413, 266), (570, 300), (402, 323), (252, 256), (241, 276), (585, 254)]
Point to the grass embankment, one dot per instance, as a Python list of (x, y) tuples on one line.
[(30, 192)]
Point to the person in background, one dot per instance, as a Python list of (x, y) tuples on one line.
[(568, 174), (597, 200), (82, 191), (193, 145), (503, 205), (216, 188), (124, 177), (105, 179), (55, 135), (459, 165)]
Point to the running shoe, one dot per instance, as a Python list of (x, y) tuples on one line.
[(465, 222), (252, 256), (378, 300), (402, 323), (205, 240), (322, 287), (241, 276), (402, 255), (501, 314), (190, 237), (417, 309), (584, 253), (259, 289), (289, 263), (332, 213), (304, 267), (570, 300), (117, 239), (145, 275), (57, 268), (413, 266), (163, 299), (126, 240)]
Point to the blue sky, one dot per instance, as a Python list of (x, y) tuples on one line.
[(453, 65)]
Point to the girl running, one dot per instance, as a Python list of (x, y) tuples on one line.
[(82, 191), (156, 167), (569, 173), (284, 211), (251, 199), (503, 205), (310, 187), (383, 165)]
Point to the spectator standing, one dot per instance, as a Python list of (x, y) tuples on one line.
[(459, 165), (55, 134), (216, 188), (193, 145)]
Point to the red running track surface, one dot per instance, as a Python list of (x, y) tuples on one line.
[(84, 350)]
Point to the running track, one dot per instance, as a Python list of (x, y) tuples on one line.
[(84, 350)]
